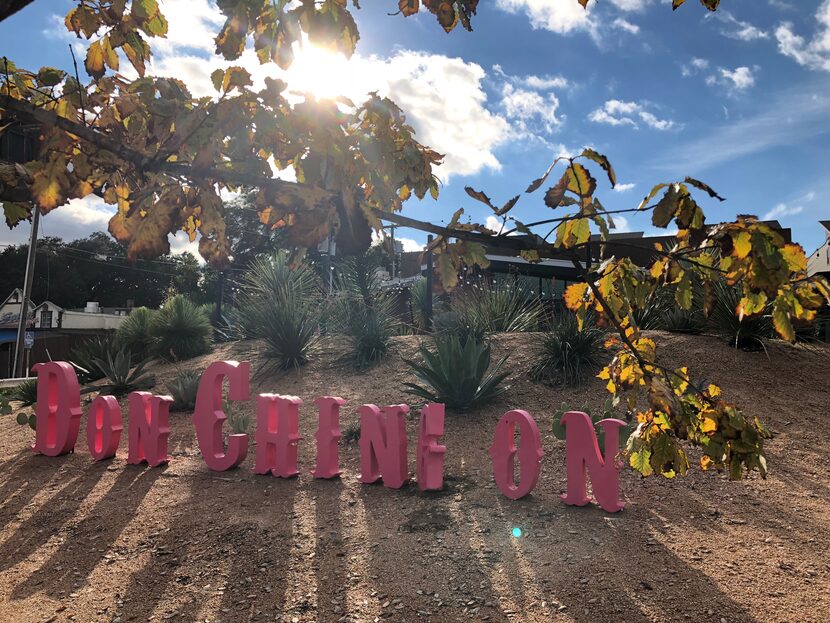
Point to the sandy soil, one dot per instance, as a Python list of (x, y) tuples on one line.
[(83, 541)]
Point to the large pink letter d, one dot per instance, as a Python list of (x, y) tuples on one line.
[(582, 454), (58, 408)]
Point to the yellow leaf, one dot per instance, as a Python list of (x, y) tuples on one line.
[(94, 62), (575, 295), (795, 258), (742, 244), (47, 191), (705, 462)]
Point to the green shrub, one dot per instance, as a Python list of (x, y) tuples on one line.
[(458, 375), (180, 330), (134, 333), (26, 392), (677, 320), (419, 298), (608, 412), (121, 377), (362, 312), (281, 304), (84, 356), (503, 308), (238, 420), (183, 389), (748, 332), (566, 354)]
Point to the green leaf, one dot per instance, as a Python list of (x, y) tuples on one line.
[(16, 212), (641, 461), (49, 76), (666, 208)]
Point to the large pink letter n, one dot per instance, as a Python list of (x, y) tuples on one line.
[(383, 445), (58, 408), (582, 454), (148, 428), (208, 416)]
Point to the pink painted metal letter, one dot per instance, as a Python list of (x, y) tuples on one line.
[(208, 416), (383, 445), (148, 428), (328, 436), (103, 427), (58, 408), (277, 435), (430, 454), (582, 453), (504, 453)]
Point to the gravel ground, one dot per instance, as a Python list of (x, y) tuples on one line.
[(83, 541)]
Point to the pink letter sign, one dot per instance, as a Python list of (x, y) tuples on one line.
[(430, 454), (383, 445), (103, 427), (58, 408), (208, 416), (277, 435), (582, 452), (504, 453), (148, 428), (328, 435)]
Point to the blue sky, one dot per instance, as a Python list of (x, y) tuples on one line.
[(739, 98)]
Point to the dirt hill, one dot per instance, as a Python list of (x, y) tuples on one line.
[(83, 541)]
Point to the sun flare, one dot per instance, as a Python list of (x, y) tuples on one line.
[(320, 72)]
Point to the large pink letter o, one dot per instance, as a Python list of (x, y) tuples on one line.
[(504, 453)]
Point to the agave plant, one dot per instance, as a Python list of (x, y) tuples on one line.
[(748, 332), (25, 393), (567, 355), (134, 332), (83, 356), (281, 305), (180, 330), (458, 375), (121, 377), (183, 389), (362, 312), (501, 308)]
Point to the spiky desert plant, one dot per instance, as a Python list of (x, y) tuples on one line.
[(134, 332), (25, 393), (457, 374), (501, 308), (83, 356), (568, 355), (180, 330), (748, 332), (183, 388), (121, 377)]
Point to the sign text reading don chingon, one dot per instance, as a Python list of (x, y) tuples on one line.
[(383, 442)]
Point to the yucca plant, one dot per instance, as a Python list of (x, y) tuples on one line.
[(25, 393), (180, 330), (749, 332), (457, 374), (501, 308), (121, 377), (362, 312), (281, 304), (183, 389), (134, 332), (568, 355), (84, 355), (678, 320)]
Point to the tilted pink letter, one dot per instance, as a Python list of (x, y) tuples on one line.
[(328, 435), (383, 445), (429, 466), (582, 452), (58, 408), (504, 454), (208, 416), (148, 428), (277, 435), (103, 427)]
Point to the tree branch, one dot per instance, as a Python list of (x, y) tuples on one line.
[(10, 7)]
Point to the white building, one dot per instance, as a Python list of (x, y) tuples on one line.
[(819, 262)]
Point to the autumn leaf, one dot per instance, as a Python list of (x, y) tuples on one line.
[(704, 187), (409, 7), (603, 162), (666, 208), (447, 272), (781, 319), (580, 181), (795, 258), (49, 76), (575, 295), (16, 212), (94, 62), (479, 196), (537, 183), (555, 194)]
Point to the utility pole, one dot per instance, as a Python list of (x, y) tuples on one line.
[(392, 228), (429, 284), (27, 293)]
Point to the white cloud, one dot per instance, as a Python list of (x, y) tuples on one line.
[(623, 24), (530, 111), (620, 224), (410, 245), (560, 16), (621, 188), (781, 210), (617, 113), (538, 83), (815, 53), (631, 5), (738, 29), (738, 79), (696, 65)]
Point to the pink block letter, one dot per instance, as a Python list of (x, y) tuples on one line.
[(504, 454), (328, 436), (148, 428), (582, 452), (383, 445), (208, 416), (277, 435), (103, 427), (58, 408), (430, 454)]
